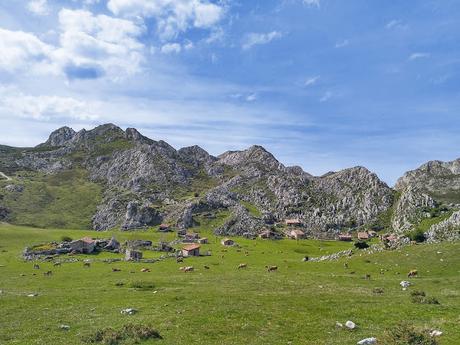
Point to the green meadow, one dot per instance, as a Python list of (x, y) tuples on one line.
[(298, 304)]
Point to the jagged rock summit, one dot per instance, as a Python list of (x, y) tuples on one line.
[(138, 182)]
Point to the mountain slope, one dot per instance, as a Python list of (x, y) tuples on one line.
[(136, 182)]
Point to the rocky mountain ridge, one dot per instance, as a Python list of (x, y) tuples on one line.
[(144, 182)]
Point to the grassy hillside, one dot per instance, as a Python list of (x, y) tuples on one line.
[(65, 200), (299, 304)]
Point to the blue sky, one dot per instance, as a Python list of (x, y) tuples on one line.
[(324, 84)]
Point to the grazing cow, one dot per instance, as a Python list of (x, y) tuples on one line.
[(412, 273), (345, 265), (87, 264), (36, 267), (271, 268), (179, 260), (187, 269), (242, 266), (116, 270), (48, 273), (57, 264), (367, 277), (206, 267), (144, 270)]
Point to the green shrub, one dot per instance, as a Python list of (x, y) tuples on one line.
[(66, 239), (417, 235), (420, 297), (406, 334), (142, 285), (132, 333), (361, 245)]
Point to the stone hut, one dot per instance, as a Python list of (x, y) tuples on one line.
[(133, 255)]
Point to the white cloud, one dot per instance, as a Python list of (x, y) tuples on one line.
[(327, 96), (170, 48), (251, 98), (416, 56), (89, 46), (342, 44), (254, 38), (312, 3), (22, 50), (395, 24), (16, 103), (311, 81), (38, 7), (172, 16)]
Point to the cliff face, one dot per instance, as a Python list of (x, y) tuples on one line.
[(143, 182)]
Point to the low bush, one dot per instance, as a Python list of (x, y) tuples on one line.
[(420, 297), (406, 334), (142, 285), (66, 239), (134, 334), (417, 235), (361, 245)]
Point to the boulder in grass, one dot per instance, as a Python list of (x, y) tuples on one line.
[(129, 311), (350, 325), (367, 341)]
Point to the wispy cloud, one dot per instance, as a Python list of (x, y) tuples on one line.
[(342, 44), (395, 24), (38, 7), (254, 38), (170, 48), (311, 81), (327, 96), (416, 56), (312, 3)]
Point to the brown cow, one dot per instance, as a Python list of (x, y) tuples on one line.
[(412, 273), (48, 273), (87, 264), (36, 267), (145, 270), (116, 270)]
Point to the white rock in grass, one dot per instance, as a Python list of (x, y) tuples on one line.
[(129, 311), (435, 333), (405, 284), (367, 341), (32, 295), (338, 324), (350, 324)]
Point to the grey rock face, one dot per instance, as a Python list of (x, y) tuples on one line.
[(440, 180), (139, 216), (60, 137), (409, 209), (447, 230)]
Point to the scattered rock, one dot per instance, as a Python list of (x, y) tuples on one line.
[(128, 311), (64, 327), (338, 324), (367, 341), (32, 295), (405, 284), (435, 333), (350, 324)]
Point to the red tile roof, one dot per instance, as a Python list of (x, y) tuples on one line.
[(192, 246)]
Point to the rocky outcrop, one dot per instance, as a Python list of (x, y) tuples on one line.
[(447, 230), (60, 137), (139, 216), (440, 180), (411, 208)]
